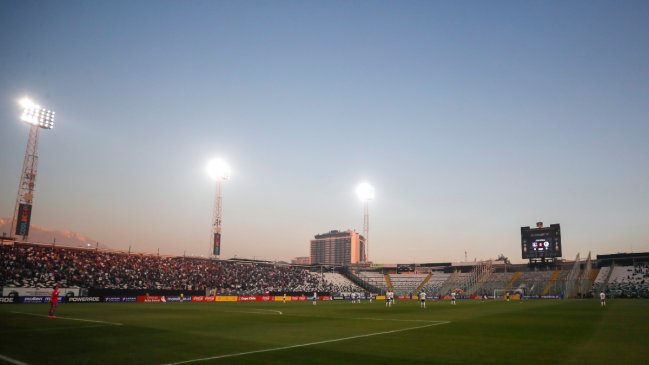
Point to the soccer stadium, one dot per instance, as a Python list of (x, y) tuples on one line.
[(324, 182), (135, 309)]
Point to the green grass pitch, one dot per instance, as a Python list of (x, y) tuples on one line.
[(472, 332)]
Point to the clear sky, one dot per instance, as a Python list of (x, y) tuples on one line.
[(470, 118)]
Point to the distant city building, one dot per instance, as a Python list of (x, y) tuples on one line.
[(301, 260), (338, 248)]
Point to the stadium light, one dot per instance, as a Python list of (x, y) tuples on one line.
[(36, 115), (39, 118), (218, 170), (365, 193)]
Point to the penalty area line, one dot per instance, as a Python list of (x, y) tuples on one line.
[(70, 318), (12, 361), (304, 344)]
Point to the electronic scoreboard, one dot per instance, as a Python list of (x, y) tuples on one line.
[(541, 242)]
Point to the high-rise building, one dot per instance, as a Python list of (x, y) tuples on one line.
[(338, 248)]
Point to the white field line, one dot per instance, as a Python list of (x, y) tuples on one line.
[(434, 323), (70, 318), (12, 361)]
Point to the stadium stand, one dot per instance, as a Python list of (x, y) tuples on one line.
[(434, 285), (339, 284), (40, 266), (374, 278), (406, 284), (629, 281)]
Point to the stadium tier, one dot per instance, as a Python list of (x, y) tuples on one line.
[(37, 266)]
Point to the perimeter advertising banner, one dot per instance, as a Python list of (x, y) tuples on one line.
[(37, 300), (149, 299), (226, 298), (83, 300), (120, 299), (8, 300), (24, 218), (247, 298)]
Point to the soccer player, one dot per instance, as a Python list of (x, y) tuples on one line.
[(602, 299), (182, 297), (507, 296), (369, 295), (54, 301), (315, 298), (453, 297), (422, 299), (284, 298)]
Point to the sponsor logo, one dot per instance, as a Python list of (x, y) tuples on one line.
[(129, 299), (198, 298), (84, 299), (247, 298), (33, 300), (6, 299), (112, 299)]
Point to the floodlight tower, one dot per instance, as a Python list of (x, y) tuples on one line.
[(39, 118), (365, 193), (219, 171)]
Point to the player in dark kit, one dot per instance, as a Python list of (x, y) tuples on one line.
[(54, 301)]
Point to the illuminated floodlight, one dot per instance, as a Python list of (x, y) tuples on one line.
[(34, 114), (27, 103), (365, 191), (218, 169)]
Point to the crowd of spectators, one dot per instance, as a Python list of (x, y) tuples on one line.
[(41, 266)]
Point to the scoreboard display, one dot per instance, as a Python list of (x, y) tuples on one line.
[(542, 242)]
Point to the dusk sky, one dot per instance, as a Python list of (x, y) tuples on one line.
[(470, 118)]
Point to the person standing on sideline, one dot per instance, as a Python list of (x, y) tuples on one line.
[(284, 298), (54, 301), (422, 299), (507, 296), (453, 297), (315, 298), (602, 299)]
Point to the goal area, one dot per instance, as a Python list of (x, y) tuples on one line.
[(500, 294)]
